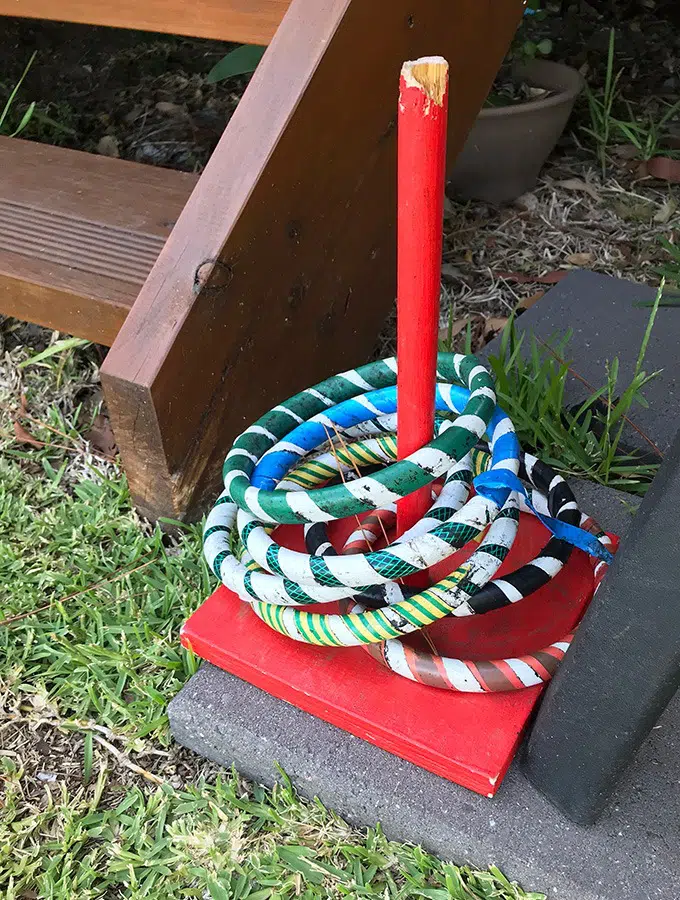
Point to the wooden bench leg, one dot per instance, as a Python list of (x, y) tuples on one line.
[(281, 268)]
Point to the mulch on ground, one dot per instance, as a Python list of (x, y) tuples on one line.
[(499, 259)]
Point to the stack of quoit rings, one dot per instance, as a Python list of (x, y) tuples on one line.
[(300, 464)]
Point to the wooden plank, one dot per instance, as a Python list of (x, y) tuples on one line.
[(281, 267), (97, 188), (96, 312), (246, 21), (80, 234)]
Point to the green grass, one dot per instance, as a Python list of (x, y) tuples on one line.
[(222, 840), (586, 441), (600, 105), (87, 675), (669, 271), (110, 652)]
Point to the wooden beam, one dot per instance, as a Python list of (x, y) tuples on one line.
[(281, 268), (246, 21), (79, 234)]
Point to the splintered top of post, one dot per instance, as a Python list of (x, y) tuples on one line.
[(428, 73)]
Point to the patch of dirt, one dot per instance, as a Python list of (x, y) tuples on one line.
[(67, 411), (50, 753), (14, 333), (136, 95), (500, 259), (647, 42)]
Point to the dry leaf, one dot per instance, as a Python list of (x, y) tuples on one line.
[(517, 277), (624, 151), (131, 117), (478, 330), (580, 259), (522, 278), (454, 329), (576, 184), (527, 201), (451, 272), (165, 108), (666, 210), (101, 437), (665, 168), (24, 437), (553, 277), (528, 302), (626, 250), (632, 210)]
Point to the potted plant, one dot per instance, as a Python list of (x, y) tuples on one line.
[(519, 125)]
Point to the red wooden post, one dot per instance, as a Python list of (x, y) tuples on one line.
[(423, 103)]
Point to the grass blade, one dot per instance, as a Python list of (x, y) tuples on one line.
[(15, 90), (53, 350)]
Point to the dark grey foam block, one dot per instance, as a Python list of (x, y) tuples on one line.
[(614, 510), (623, 667)]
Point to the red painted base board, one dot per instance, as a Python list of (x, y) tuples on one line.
[(466, 738)]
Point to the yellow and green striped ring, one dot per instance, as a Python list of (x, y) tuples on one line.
[(370, 626)]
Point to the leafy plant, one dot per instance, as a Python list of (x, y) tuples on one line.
[(54, 350), (647, 134), (508, 89), (241, 61), (600, 106), (26, 118), (524, 48), (586, 440), (643, 131), (531, 49), (670, 270)]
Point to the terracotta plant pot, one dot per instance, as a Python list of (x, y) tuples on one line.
[(508, 145)]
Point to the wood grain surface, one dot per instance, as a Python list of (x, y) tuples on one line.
[(79, 234), (244, 21), (281, 268)]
